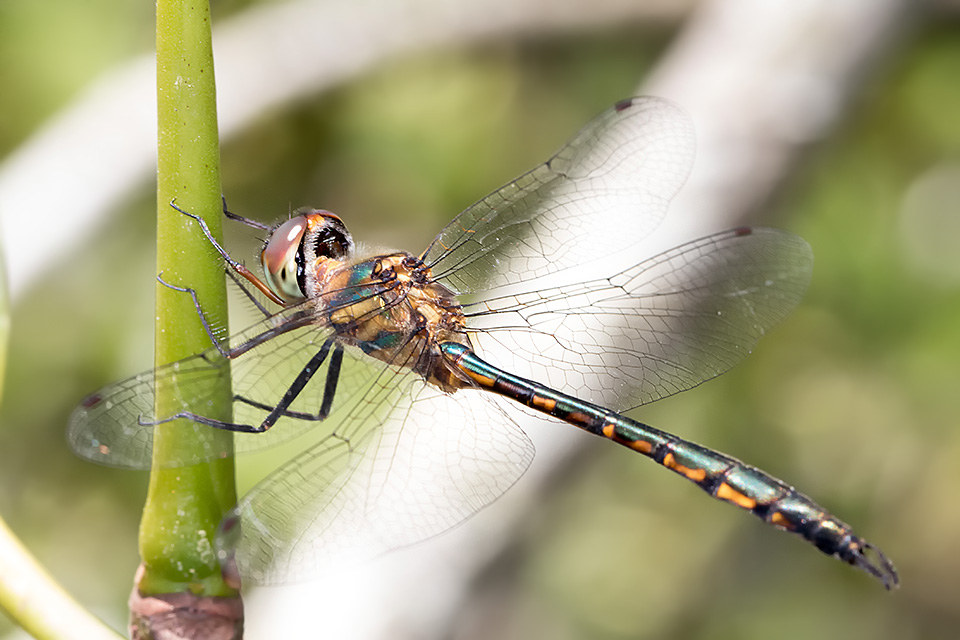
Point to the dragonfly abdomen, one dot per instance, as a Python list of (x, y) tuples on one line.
[(720, 475), (770, 499)]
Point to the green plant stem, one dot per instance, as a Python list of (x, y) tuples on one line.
[(185, 503)]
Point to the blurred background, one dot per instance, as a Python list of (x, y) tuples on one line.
[(854, 399)]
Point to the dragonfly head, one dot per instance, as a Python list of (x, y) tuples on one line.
[(295, 244)]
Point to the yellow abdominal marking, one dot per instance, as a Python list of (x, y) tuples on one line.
[(778, 520), (542, 403), (697, 475), (609, 431), (642, 446), (480, 379), (728, 493)]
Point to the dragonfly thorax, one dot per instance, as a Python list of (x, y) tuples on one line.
[(391, 308)]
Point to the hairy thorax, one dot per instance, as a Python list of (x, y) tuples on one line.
[(391, 308)]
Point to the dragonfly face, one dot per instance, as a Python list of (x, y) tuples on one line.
[(378, 351)]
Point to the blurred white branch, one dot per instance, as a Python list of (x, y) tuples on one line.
[(763, 81), (100, 149)]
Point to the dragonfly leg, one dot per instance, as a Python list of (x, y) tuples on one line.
[(203, 317), (333, 377), (210, 422), (281, 409), (206, 231), (233, 264), (241, 219)]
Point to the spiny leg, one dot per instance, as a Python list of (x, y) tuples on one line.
[(242, 219), (290, 395), (206, 231), (233, 264), (280, 410), (300, 382), (333, 377), (203, 317), (329, 391)]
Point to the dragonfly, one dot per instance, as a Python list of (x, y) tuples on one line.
[(414, 367)]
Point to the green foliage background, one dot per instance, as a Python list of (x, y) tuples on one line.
[(854, 399)]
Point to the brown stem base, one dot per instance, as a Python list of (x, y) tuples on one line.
[(185, 616)]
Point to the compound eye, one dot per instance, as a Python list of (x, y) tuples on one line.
[(282, 259)]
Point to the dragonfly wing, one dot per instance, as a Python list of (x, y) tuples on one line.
[(115, 425), (604, 191), (655, 329), (405, 462), (111, 426)]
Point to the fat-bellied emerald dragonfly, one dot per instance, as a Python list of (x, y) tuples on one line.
[(387, 353)]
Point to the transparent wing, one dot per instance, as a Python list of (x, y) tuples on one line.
[(655, 329), (115, 425), (405, 462), (398, 460), (605, 190)]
